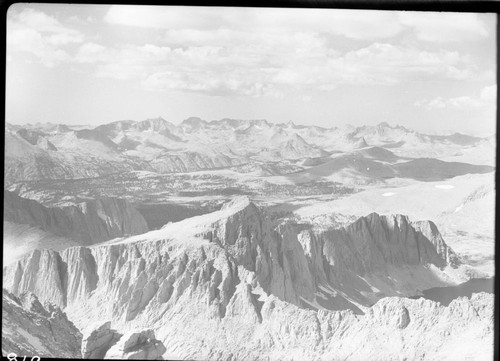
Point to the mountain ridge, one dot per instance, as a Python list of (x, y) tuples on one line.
[(195, 144), (240, 231), (237, 272)]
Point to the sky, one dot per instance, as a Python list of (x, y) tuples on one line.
[(94, 64)]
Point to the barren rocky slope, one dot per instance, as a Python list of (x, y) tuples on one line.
[(30, 329), (234, 284)]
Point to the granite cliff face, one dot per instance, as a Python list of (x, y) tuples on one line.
[(209, 284), (89, 222), (289, 260), (375, 241)]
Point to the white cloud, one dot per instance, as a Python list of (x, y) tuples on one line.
[(92, 53), (33, 42), (489, 94), (486, 98), (464, 102), (350, 23), (250, 51), (284, 49), (191, 23), (386, 63), (441, 27), (40, 21), (300, 62), (207, 83), (166, 17), (34, 32)]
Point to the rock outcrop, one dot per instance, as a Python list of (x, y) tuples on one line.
[(31, 329), (233, 284), (141, 345), (102, 342), (98, 340), (89, 222), (36, 138)]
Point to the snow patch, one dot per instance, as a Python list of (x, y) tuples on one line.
[(388, 194), (444, 186)]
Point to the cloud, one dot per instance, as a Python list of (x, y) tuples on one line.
[(268, 66), (263, 51), (34, 19), (442, 27), (192, 22), (486, 98), (33, 42), (386, 63), (489, 94), (350, 23), (34, 32), (207, 83), (249, 51), (436, 103), (464, 102), (92, 53)]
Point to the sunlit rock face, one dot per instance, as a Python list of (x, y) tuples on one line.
[(89, 222), (233, 283)]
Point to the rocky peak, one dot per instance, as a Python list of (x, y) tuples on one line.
[(232, 123), (237, 203), (194, 122), (95, 135), (154, 124), (361, 143), (112, 129)]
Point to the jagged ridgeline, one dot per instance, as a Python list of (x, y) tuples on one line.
[(157, 145), (234, 284)]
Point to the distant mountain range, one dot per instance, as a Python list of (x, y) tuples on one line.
[(58, 151)]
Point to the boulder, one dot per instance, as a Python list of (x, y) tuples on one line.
[(98, 340), (141, 345)]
